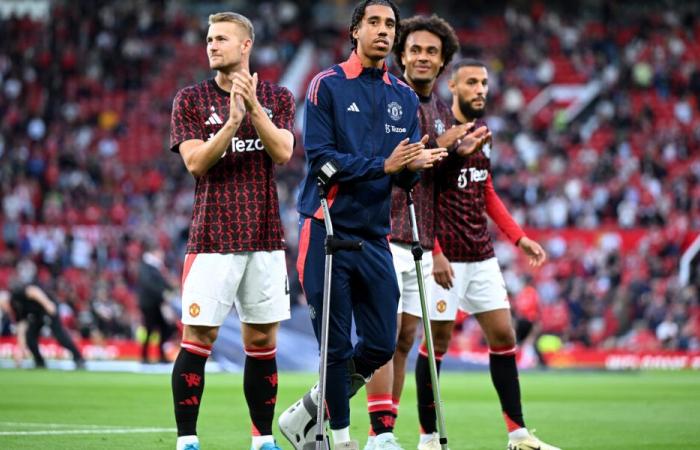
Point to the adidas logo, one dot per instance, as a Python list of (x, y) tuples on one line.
[(214, 119), (192, 401), (353, 107)]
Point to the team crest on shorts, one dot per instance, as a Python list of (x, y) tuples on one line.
[(194, 310), (395, 111), (441, 306)]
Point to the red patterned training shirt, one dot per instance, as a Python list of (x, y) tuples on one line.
[(235, 207), (461, 223), (434, 115)]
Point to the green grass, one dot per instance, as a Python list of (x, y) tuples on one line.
[(650, 410)]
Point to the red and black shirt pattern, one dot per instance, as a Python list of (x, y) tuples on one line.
[(236, 207), (434, 116), (461, 221)]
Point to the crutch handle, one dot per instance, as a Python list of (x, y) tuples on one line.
[(324, 177), (409, 196), (417, 251), (334, 244)]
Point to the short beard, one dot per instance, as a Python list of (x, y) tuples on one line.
[(469, 112)]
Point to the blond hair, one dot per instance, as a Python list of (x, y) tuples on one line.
[(236, 18)]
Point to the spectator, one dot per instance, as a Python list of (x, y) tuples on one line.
[(152, 285)]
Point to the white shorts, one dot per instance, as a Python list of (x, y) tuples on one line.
[(477, 287), (256, 282), (405, 268)]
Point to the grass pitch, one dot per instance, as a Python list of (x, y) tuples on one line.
[(592, 411)]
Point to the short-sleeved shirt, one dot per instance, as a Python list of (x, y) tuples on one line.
[(236, 207), (461, 224), (434, 116), (22, 305)]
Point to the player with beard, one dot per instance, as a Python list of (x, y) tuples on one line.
[(423, 51), (473, 281), (231, 131)]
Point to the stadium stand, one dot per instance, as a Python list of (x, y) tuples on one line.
[(595, 110)]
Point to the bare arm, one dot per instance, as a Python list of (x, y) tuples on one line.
[(404, 154), (36, 294), (278, 142), (199, 156), (450, 137), (473, 141), (442, 270), (536, 255)]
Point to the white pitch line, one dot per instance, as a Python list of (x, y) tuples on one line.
[(52, 425), (93, 431)]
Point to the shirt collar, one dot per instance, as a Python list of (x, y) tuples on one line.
[(353, 68)]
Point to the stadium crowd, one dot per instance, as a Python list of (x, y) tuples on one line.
[(86, 182)]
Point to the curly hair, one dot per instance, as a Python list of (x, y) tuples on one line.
[(433, 24), (359, 13)]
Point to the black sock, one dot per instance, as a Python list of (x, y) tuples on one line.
[(260, 388), (188, 385), (424, 393), (381, 415), (504, 374), (382, 422)]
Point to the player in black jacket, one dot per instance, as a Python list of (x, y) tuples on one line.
[(32, 309)]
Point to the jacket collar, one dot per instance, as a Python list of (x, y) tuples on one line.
[(353, 68)]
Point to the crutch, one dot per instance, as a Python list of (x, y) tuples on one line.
[(332, 245), (417, 252)]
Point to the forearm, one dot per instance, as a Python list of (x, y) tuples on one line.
[(200, 158), (505, 222), (497, 211), (350, 167), (278, 142), (39, 296), (437, 249)]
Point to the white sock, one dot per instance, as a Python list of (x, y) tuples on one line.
[(370, 438), (258, 441), (425, 438), (520, 433), (184, 440), (340, 436)]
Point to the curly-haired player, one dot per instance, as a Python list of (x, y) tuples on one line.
[(423, 51)]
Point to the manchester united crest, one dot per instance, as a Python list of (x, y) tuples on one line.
[(441, 306), (439, 126), (395, 111), (194, 310)]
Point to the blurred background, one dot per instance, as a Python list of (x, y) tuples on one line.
[(594, 106)]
